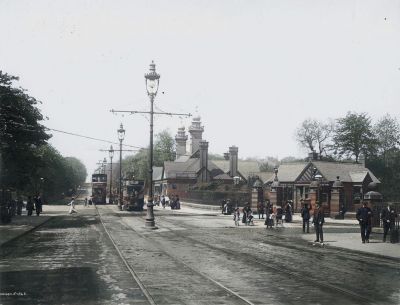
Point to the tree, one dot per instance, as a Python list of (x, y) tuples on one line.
[(164, 150), (387, 132), (76, 171), (353, 136), (21, 133), (314, 134)]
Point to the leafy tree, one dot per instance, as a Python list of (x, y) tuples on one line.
[(387, 133), (164, 148), (314, 134), (21, 134), (353, 136), (76, 171)]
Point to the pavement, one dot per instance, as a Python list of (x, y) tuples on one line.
[(338, 233)]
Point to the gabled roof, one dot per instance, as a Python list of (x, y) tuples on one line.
[(289, 172), (188, 169), (347, 172), (245, 168)]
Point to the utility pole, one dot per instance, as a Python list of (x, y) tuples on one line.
[(152, 82)]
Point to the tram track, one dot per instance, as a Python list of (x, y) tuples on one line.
[(142, 286), (248, 257)]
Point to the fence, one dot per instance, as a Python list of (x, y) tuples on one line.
[(377, 209)]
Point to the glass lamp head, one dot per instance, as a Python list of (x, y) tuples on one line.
[(111, 152), (121, 132), (152, 80)]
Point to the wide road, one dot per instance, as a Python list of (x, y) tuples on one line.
[(107, 257)]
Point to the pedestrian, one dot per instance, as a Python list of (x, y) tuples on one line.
[(249, 220), (223, 203), (29, 206), (260, 210), (163, 201), (244, 217), (318, 221), (90, 201), (20, 204), (364, 216), (72, 204), (278, 216), (342, 211), (236, 217), (388, 216), (288, 212), (305, 214), (38, 205), (177, 203), (269, 217), (85, 202)]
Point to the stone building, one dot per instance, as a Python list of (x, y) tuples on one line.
[(193, 167), (302, 180)]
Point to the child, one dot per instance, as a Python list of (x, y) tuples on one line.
[(236, 217)]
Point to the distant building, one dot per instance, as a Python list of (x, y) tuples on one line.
[(295, 179), (193, 166)]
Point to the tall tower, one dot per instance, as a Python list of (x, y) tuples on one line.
[(233, 160), (196, 133), (180, 140)]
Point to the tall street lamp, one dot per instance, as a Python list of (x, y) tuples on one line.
[(111, 155), (121, 136), (152, 82)]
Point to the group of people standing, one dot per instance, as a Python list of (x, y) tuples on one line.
[(34, 205), (173, 202), (388, 217)]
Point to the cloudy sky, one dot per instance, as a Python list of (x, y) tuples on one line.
[(253, 70)]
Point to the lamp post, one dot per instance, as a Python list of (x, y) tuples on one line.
[(111, 155), (152, 81), (121, 136)]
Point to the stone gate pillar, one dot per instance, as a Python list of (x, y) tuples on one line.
[(337, 187)]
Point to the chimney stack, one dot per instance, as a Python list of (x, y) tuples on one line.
[(180, 140), (196, 132), (203, 160), (233, 161)]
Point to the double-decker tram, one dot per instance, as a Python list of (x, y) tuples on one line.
[(99, 188), (133, 194)]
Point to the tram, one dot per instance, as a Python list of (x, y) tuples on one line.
[(133, 194), (99, 188)]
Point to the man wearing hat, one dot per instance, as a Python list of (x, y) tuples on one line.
[(318, 221), (388, 216), (364, 216)]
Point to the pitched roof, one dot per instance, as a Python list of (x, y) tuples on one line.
[(289, 172), (348, 172), (188, 169), (246, 168)]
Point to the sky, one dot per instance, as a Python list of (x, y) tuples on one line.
[(252, 70)]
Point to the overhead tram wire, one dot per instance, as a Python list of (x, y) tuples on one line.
[(91, 138), (138, 148)]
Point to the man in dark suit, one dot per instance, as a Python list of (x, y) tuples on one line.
[(305, 214), (318, 221), (364, 216), (388, 216)]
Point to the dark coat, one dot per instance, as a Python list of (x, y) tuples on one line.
[(364, 214), (388, 215), (305, 213), (319, 218)]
